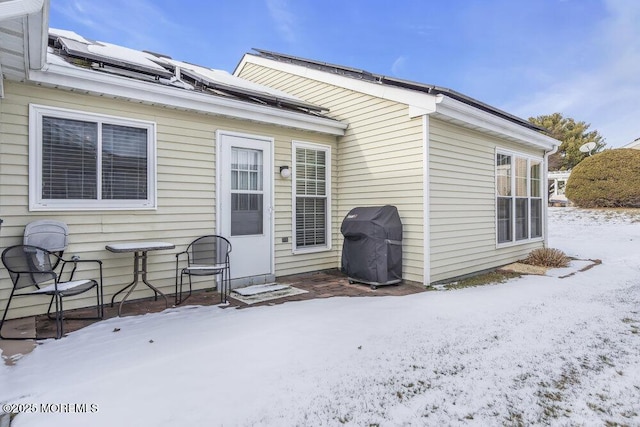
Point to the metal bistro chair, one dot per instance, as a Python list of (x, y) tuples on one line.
[(49, 234), (206, 256), (32, 272)]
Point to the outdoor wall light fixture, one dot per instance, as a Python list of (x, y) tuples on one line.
[(285, 172)]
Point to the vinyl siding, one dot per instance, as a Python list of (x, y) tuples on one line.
[(462, 202), (379, 159), (185, 187)]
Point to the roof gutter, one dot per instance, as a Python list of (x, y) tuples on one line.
[(456, 110)]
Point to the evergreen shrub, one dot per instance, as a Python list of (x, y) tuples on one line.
[(606, 180)]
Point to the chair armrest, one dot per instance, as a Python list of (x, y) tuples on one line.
[(75, 260)]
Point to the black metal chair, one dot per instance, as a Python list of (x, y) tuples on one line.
[(31, 270), (205, 256)]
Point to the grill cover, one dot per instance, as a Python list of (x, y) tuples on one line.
[(372, 250)]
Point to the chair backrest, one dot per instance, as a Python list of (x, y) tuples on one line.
[(28, 265), (209, 250), (48, 234)]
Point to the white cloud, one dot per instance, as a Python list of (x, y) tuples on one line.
[(606, 92), (133, 23), (284, 19), (398, 65)]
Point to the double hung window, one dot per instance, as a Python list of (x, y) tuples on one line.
[(84, 161), (312, 187), (518, 197)]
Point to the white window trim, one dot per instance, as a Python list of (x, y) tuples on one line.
[(37, 203), (528, 158), (327, 149)]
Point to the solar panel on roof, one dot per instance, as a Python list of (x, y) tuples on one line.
[(113, 55), (162, 69)]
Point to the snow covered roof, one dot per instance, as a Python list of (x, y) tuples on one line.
[(78, 51)]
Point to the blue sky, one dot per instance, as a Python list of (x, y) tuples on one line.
[(528, 57)]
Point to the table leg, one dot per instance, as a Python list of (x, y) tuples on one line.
[(146, 282), (137, 271)]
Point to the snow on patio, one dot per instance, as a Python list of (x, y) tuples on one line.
[(535, 350)]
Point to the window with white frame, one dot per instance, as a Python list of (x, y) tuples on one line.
[(518, 197), (83, 161), (311, 188)]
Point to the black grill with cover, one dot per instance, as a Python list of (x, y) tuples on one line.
[(372, 249)]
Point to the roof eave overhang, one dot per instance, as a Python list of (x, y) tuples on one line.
[(90, 81), (419, 103), (19, 8), (455, 111), (35, 21)]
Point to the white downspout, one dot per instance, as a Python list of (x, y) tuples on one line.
[(545, 174), (426, 199)]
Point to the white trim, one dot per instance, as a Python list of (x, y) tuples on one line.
[(36, 203), (94, 82), (528, 157), (328, 219), (419, 103), (219, 178), (456, 110), (426, 195)]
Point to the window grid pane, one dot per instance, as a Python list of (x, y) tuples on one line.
[(504, 219), (536, 179), (522, 218), (521, 177), (503, 175), (124, 163), (69, 159), (536, 218)]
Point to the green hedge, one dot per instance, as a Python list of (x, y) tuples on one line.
[(607, 179)]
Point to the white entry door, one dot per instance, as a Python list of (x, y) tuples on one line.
[(244, 208)]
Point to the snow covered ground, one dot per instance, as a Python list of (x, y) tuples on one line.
[(535, 350)]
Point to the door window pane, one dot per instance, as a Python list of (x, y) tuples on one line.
[(246, 214), (247, 200)]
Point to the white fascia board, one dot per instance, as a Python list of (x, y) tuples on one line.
[(419, 103), (68, 77), (18, 8), (458, 111)]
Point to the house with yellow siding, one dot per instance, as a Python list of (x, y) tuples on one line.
[(124, 145), (468, 179)]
